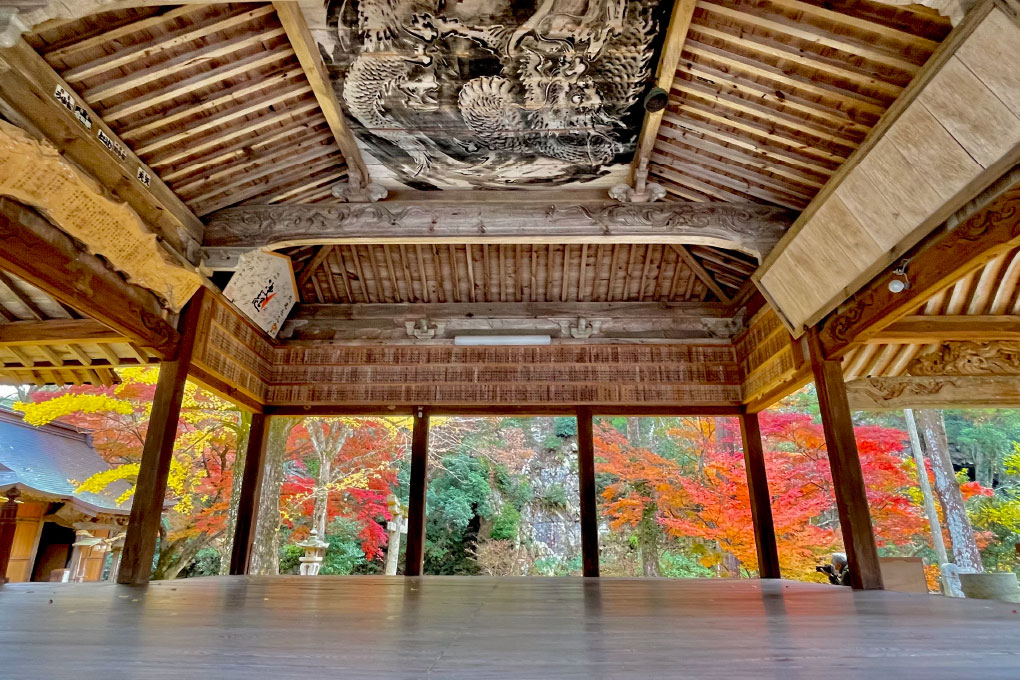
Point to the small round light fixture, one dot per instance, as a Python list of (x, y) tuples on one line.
[(656, 100), (903, 283)]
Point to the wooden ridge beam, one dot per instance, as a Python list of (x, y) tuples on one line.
[(56, 332), (992, 228), (307, 52), (676, 36), (929, 329), (747, 227), (28, 85), (46, 258)]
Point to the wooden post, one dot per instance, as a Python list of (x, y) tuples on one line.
[(761, 499), (251, 488), (415, 554), (150, 489), (8, 525), (589, 510), (847, 476)]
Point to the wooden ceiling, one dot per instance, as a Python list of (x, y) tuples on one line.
[(771, 96), (519, 273), (43, 341), (211, 97), (985, 302)]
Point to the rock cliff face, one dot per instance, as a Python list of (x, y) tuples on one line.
[(550, 525)]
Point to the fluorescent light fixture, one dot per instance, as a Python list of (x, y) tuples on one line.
[(497, 340)]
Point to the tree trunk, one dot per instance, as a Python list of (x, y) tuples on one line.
[(648, 541), (227, 544), (933, 431), (265, 557), (322, 495)]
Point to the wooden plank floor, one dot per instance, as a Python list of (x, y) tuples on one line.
[(481, 628)]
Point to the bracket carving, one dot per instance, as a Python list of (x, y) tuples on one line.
[(997, 358)]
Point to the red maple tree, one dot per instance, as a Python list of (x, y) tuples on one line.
[(703, 494)]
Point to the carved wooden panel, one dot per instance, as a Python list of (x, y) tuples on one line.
[(35, 174), (870, 394), (458, 95), (969, 358)]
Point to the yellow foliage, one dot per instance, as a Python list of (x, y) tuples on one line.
[(47, 411), (99, 481)]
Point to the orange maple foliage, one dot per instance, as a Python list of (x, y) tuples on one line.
[(702, 494)]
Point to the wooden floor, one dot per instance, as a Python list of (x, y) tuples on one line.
[(479, 628)]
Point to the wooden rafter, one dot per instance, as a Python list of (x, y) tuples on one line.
[(676, 34), (28, 85), (699, 270), (56, 332), (308, 54)]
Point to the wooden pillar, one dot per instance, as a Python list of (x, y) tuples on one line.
[(251, 489), (415, 554), (8, 525), (761, 499), (150, 489), (586, 485), (847, 476)]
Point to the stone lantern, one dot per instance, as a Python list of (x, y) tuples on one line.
[(315, 551)]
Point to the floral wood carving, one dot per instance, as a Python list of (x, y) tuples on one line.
[(753, 229), (969, 358)]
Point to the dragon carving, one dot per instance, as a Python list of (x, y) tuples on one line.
[(460, 94)]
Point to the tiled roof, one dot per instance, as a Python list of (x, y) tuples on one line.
[(47, 458)]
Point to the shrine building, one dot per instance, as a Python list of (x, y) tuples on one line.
[(610, 207)]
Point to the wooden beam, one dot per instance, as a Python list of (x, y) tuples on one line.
[(28, 85), (251, 491), (45, 257), (931, 329), (223, 390), (150, 489), (510, 310), (933, 392), (991, 229), (307, 52), (748, 228), (700, 272), (313, 264), (415, 552), (847, 476), (665, 74), (760, 497), (56, 332), (384, 410), (586, 487)]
